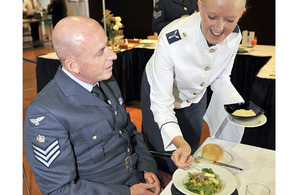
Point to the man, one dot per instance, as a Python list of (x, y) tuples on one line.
[(58, 9), (165, 11), (31, 8), (75, 142)]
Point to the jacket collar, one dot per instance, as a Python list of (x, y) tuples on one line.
[(72, 89)]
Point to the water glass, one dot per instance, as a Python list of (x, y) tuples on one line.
[(257, 189)]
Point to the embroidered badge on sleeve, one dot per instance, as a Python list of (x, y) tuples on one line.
[(157, 14), (38, 121), (173, 36), (48, 155)]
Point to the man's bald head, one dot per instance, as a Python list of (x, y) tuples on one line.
[(71, 34)]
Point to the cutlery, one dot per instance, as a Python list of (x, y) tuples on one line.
[(161, 154), (168, 155), (218, 163)]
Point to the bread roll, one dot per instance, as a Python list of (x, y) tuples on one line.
[(212, 152)]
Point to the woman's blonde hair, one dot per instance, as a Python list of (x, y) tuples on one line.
[(244, 5)]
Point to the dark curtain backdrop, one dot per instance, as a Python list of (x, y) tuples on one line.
[(260, 17), (137, 17)]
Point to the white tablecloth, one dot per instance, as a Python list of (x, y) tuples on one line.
[(268, 70), (258, 165)]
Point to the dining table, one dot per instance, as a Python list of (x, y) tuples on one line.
[(261, 90), (258, 166)]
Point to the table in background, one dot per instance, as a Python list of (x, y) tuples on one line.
[(253, 75), (44, 34), (261, 92), (258, 165), (127, 68)]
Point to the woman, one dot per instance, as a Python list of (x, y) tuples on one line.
[(192, 53)]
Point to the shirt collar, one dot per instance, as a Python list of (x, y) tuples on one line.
[(85, 85)]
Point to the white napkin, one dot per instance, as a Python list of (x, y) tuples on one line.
[(216, 116)]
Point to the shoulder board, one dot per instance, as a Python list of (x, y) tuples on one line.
[(236, 29), (173, 36)]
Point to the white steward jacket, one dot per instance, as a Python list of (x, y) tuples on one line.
[(180, 70)]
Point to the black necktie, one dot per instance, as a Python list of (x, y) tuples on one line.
[(96, 90)]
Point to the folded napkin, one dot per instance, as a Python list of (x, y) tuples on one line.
[(216, 116)]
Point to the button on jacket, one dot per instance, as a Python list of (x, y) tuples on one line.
[(182, 67), (75, 144), (165, 11)]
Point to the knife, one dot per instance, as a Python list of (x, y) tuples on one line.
[(218, 163), (161, 154), (168, 155)]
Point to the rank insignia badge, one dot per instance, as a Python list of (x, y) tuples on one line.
[(47, 155), (173, 36), (40, 139)]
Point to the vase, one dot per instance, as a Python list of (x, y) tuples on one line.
[(113, 44)]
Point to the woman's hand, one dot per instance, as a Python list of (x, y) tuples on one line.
[(181, 157)]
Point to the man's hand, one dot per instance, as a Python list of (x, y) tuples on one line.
[(143, 189), (181, 157), (152, 178)]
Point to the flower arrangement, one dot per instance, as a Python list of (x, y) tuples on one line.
[(113, 24)]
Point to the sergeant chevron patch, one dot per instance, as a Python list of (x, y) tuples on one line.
[(48, 155), (157, 14)]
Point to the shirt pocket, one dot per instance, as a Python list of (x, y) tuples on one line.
[(88, 143)]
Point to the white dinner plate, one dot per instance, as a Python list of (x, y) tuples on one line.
[(255, 122), (226, 158), (227, 179)]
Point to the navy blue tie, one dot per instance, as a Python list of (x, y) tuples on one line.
[(96, 90)]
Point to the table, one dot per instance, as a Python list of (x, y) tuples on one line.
[(262, 92), (127, 68), (43, 36), (253, 75), (258, 165)]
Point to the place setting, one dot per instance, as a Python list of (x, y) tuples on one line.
[(208, 174)]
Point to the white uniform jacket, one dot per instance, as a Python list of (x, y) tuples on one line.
[(180, 70)]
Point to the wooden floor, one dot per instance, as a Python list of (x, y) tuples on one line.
[(29, 92)]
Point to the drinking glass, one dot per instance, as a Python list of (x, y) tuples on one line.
[(254, 41), (257, 189)]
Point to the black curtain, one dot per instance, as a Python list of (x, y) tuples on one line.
[(137, 17)]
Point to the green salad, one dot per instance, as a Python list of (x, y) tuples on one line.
[(204, 183)]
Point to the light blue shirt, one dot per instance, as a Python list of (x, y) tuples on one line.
[(85, 85)]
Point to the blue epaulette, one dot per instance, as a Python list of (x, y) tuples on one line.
[(173, 36)]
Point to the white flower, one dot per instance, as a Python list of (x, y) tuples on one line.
[(116, 27), (118, 19), (119, 24), (113, 23)]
